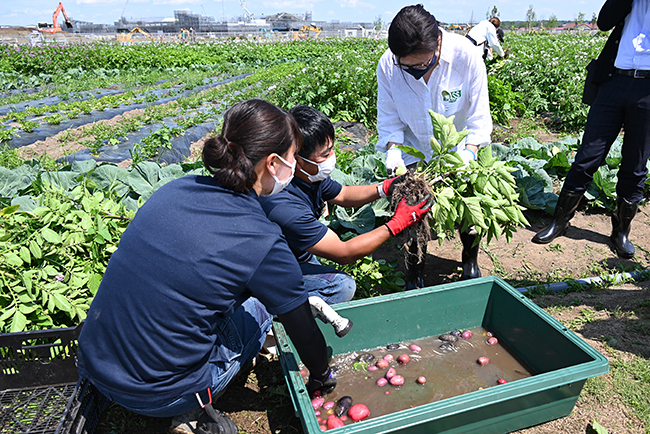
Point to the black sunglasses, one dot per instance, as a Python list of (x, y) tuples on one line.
[(418, 67)]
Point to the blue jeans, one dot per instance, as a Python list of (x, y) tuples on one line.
[(330, 284), (244, 332)]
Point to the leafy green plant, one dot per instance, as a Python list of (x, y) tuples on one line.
[(548, 73), (481, 195), (28, 126), (52, 258), (504, 103), (150, 146), (9, 157), (7, 134), (598, 428), (373, 276), (54, 119)]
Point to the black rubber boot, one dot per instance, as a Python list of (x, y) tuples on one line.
[(621, 221), (564, 210), (414, 273), (216, 422), (203, 421), (470, 255)]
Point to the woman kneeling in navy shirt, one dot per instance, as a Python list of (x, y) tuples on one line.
[(187, 298)]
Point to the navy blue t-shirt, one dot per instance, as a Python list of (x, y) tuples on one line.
[(195, 251), (297, 209)]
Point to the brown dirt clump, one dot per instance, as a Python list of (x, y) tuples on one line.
[(416, 238)]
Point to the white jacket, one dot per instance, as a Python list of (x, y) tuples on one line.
[(457, 86), (485, 31)]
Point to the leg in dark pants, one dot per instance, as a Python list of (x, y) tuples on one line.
[(623, 101), (633, 170), (604, 123)]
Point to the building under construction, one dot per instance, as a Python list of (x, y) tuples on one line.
[(207, 26)]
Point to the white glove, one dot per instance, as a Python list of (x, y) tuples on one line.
[(467, 155), (394, 160)]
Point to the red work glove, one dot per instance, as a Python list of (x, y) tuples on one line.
[(407, 215), (387, 187)]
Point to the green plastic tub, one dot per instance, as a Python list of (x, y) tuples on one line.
[(562, 361)]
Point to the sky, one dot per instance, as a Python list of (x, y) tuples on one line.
[(30, 12)]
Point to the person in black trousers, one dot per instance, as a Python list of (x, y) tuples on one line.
[(622, 76)]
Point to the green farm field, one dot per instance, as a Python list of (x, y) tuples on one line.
[(88, 131)]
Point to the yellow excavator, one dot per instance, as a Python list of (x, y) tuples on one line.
[(456, 27), (125, 36), (305, 32)]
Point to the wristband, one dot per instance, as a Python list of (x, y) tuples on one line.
[(380, 190), (473, 153)]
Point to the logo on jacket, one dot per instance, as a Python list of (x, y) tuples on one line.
[(451, 97)]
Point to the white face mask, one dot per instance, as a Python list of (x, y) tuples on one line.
[(324, 169), (280, 185)]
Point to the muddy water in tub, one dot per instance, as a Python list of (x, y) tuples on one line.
[(450, 365)]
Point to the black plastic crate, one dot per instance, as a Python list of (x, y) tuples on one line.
[(40, 388), (34, 409)]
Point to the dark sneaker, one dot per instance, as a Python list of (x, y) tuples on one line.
[(198, 421)]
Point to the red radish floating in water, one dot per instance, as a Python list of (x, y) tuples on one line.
[(391, 373), (466, 334), (421, 380), (397, 380), (334, 422), (501, 381), (415, 348), (492, 341), (358, 412), (403, 359), (483, 360), (382, 364)]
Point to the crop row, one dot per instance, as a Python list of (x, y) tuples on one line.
[(544, 75)]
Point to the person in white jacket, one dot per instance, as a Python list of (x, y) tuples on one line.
[(427, 68), (484, 35)]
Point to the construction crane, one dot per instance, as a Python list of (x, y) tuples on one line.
[(54, 27), (124, 9), (249, 15)]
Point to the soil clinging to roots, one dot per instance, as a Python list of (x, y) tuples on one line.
[(415, 189)]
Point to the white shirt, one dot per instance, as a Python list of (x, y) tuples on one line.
[(485, 31), (457, 86), (634, 49)]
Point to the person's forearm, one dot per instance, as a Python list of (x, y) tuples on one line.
[(353, 196), (358, 247), (612, 12), (307, 339)]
